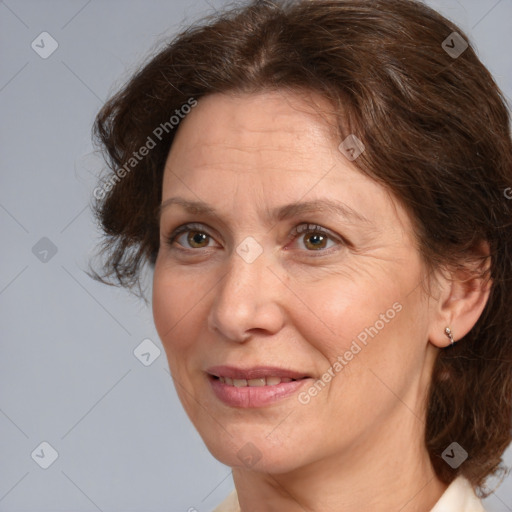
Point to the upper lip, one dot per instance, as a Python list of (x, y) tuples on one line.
[(254, 372)]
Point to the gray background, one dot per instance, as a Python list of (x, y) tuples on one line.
[(68, 373)]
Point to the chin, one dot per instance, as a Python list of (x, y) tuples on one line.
[(254, 452)]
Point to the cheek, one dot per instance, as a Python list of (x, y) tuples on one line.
[(339, 309), (174, 303), (368, 357), (366, 332)]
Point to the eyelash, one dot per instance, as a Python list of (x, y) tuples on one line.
[(301, 229)]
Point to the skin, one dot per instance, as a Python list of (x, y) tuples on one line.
[(359, 443)]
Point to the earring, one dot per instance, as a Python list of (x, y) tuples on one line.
[(448, 333)]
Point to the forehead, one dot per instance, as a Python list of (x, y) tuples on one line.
[(258, 133)]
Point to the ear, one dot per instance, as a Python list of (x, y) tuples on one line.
[(462, 296)]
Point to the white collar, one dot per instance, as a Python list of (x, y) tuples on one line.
[(459, 497)]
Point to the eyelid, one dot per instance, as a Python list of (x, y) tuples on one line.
[(306, 227)]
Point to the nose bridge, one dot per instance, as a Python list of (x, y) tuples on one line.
[(246, 297)]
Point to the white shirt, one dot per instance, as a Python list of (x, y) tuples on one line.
[(458, 497)]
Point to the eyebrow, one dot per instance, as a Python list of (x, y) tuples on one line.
[(277, 214)]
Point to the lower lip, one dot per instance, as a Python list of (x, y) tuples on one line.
[(254, 396)]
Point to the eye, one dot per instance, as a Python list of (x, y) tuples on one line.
[(312, 236), (315, 238), (190, 236)]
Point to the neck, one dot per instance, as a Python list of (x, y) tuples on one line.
[(394, 473)]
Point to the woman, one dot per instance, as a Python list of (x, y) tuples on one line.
[(319, 190)]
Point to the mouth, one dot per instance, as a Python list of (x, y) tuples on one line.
[(256, 376), (255, 387)]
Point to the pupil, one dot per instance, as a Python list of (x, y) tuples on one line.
[(316, 238), (198, 238)]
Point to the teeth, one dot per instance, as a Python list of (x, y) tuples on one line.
[(256, 382), (264, 381)]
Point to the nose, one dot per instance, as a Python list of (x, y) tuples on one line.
[(247, 300)]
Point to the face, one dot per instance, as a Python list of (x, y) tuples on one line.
[(289, 260)]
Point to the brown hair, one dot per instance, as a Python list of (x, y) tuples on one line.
[(437, 134)]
